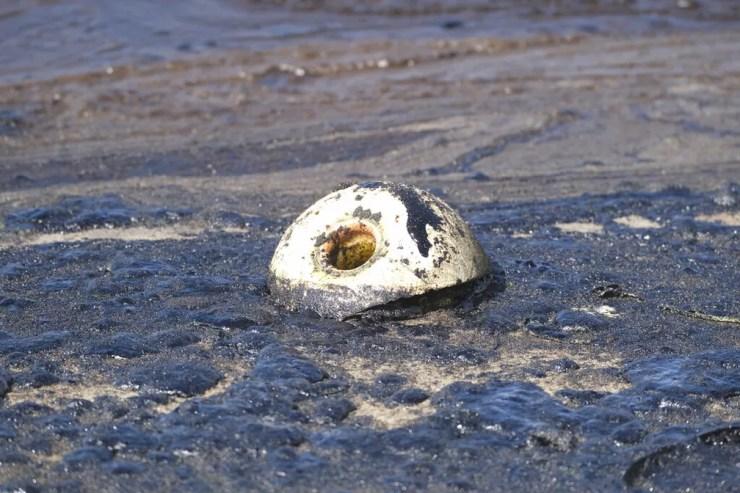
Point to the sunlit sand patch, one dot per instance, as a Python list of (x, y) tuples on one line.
[(56, 395), (432, 377), (724, 218), (392, 417), (725, 409), (450, 123), (637, 222), (137, 233), (583, 227), (516, 359), (554, 382), (427, 376)]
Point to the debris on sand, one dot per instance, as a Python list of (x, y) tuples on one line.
[(371, 244)]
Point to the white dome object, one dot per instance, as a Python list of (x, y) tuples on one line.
[(371, 244)]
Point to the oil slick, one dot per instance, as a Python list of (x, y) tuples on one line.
[(371, 244)]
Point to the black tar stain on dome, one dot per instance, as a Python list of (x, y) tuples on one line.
[(420, 213)]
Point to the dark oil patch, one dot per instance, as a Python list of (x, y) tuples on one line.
[(674, 466), (361, 213), (281, 417)]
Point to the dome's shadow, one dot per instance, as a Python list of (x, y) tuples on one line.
[(466, 297)]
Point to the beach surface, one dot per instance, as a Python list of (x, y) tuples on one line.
[(151, 157)]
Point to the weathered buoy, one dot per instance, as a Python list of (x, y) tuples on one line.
[(371, 244)]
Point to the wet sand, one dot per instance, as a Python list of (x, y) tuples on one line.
[(149, 161)]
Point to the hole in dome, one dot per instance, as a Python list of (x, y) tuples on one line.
[(349, 247)]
